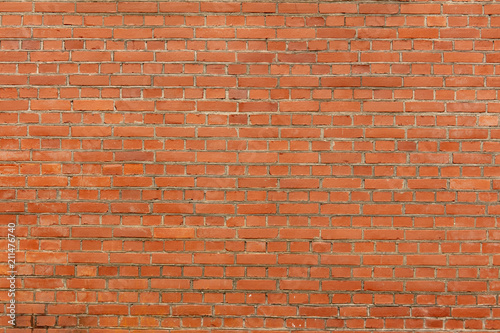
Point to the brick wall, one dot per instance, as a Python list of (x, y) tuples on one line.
[(250, 166)]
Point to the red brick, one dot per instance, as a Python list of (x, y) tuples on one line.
[(418, 33), (415, 8), (95, 7), (378, 8), (54, 7), (220, 7), (15, 7), (384, 286), (137, 7), (248, 7), (179, 7), (256, 284), (427, 286), (191, 310)]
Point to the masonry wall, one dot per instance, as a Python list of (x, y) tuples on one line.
[(251, 166)]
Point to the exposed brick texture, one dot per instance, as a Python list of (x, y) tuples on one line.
[(251, 166)]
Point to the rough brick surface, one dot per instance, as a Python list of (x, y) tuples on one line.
[(251, 166)]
